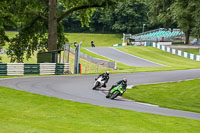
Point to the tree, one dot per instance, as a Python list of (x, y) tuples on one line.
[(5, 20), (38, 17), (183, 13), (127, 17), (159, 12), (196, 16), (130, 16)]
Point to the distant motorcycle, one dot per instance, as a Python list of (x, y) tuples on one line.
[(116, 91), (98, 83)]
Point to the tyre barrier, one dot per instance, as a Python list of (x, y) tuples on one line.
[(34, 69)]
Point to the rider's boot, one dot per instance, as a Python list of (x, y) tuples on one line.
[(104, 85), (108, 95)]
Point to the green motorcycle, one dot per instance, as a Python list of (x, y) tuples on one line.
[(116, 91)]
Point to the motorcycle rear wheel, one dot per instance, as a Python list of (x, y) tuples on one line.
[(114, 95), (96, 85), (108, 95)]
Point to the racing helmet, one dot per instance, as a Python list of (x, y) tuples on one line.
[(107, 73), (125, 80)]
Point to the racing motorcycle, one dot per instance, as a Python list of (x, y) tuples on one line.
[(116, 91), (98, 83)]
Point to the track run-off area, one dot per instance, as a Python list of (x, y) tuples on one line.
[(79, 88), (125, 58)]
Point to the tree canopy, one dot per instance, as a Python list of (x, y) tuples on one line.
[(127, 16), (41, 23), (182, 13), (36, 18)]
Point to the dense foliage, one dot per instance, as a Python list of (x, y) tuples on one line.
[(35, 18), (5, 20), (41, 23), (128, 17), (183, 14)]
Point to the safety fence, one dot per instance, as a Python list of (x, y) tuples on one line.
[(34, 69), (97, 61), (177, 52)]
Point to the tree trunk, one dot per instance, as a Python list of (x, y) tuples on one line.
[(52, 26), (187, 37)]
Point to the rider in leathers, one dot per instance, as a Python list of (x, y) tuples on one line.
[(105, 77), (123, 82)]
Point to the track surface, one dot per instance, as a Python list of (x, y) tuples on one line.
[(78, 88), (122, 57)]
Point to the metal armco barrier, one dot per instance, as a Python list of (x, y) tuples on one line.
[(94, 60), (33, 69)]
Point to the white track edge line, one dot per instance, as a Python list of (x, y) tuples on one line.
[(108, 58), (139, 57)]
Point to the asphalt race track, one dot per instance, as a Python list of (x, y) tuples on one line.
[(78, 88), (122, 57)]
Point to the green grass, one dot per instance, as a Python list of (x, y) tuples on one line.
[(184, 95), (94, 55), (100, 40), (25, 112), (33, 59), (173, 62), (11, 34), (192, 51), (15, 76), (87, 67)]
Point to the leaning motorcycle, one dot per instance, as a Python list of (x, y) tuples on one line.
[(116, 91), (98, 83)]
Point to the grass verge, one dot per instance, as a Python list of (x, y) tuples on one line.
[(174, 62), (184, 95), (192, 51), (25, 112), (100, 40)]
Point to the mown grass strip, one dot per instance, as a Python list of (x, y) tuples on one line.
[(192, 51), (104, 40), (100, 40), (174, 62), (25, 112), (184, 95)]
